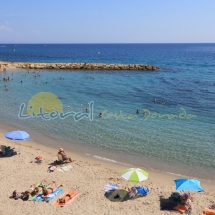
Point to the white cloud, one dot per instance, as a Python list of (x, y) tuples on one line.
[(36, 32), (4, 28)]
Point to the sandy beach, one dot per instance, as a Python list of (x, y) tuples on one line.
[(88, 177)]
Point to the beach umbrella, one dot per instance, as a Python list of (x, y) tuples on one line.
[(17, 135), (134, 175), (188, 184)]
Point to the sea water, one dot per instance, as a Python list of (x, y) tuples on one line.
[(176, 137)]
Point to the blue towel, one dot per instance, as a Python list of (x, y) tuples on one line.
[(110, 187), (51, 195), (142, 190)]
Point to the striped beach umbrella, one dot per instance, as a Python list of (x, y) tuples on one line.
[(134, 175)]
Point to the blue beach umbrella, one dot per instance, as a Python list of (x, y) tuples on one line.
[(188, 184), (17, 135)]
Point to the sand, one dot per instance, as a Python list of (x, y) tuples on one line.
[(88, 177)]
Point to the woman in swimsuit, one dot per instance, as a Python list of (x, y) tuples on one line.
[(49, 190), (64, 199), (33, 190)]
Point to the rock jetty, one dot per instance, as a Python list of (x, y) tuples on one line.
[(79, 66)]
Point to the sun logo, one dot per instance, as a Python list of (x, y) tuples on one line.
[(45, 100), (48, 106)]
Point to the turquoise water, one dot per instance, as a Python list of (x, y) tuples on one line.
[(172, 143)]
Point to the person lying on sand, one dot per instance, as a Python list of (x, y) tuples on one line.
[(50, 189), (33, 190), (62, 152), (64, 199)]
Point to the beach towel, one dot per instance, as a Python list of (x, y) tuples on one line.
[(181, 208), (65, 168), (168, 205), (68, 196), (175, 207), (142, 191), (110, 187), (208, 211), (117, 195), (50, 197), (31, 197)]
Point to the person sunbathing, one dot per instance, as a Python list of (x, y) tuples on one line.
[(186, 198), (65, 199), (35, 190), (50, 189), (63, 154)]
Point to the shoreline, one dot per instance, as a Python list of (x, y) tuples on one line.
[(77, 66), (52, 144), (93, 153)]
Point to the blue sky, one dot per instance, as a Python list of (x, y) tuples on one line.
[(107, 21)]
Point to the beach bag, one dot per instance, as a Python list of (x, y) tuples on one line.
[(51, 168), (15, 195), (25, 197), (175, 196)]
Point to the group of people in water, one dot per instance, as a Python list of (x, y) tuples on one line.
[(7, 79), (163, 101), (155, 101)]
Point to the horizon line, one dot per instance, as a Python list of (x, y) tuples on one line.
[(105, 43)]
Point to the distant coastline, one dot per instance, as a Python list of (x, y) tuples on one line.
[(77, 66)]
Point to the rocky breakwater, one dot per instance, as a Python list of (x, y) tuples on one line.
[(79, 66)]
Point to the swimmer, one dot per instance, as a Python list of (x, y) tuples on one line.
[(100, 115), (137, 111), (86, 110)]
